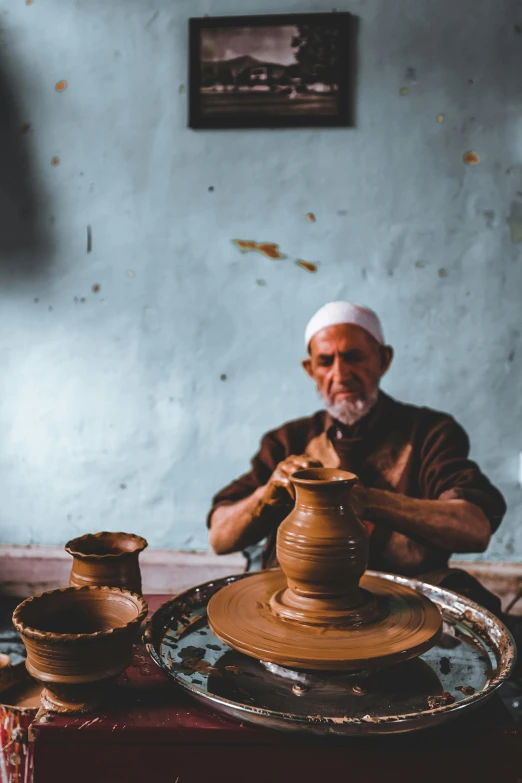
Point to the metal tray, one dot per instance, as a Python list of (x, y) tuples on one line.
[(473, 658)]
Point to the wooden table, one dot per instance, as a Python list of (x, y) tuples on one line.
[(153, 732)]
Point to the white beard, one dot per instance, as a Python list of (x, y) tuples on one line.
[(349, 412)]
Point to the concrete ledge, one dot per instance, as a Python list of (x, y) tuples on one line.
[(28, 570)]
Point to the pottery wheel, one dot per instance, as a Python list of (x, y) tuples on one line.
[(400, 624), (473, 657)]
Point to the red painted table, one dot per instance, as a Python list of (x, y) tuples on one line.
[(152, 732)]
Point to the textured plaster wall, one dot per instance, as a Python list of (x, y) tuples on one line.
[(137, 378)]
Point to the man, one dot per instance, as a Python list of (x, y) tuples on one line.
[(420, 496)]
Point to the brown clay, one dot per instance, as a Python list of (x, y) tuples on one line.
[(320, 612), (323, 550), (78, 640), (109, 559)]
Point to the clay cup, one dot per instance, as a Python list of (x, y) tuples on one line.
[(78, 640), (109, 559)]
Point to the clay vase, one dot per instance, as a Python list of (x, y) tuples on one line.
[(78, 640), (109, 559), (322, 548)]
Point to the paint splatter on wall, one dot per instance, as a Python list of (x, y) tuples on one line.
[(61, 85), (471, 158), (271, 250), (268, 249), (306, 265)]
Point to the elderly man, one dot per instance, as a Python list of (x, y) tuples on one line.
[(420, 495)]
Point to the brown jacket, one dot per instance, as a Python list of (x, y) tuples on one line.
[(400, 448)]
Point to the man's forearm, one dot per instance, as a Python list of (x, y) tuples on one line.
[(454, 525), (237, 525)]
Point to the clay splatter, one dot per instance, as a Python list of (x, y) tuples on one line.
[(26, 128), (192, 652), (61, 85), (445, 665), (198, 665), (268, 249), (440, 118), (96, 287), (211, 189), (214, 647), (471, 158), (403, 91), (261, 282), (514, 222), (511, 355), (310, 217), (440, 701), (467, 690), (55, 161), (223, 377), (306, 265), (420, 264), (89, 239), (181, 89), (29, 2), (443, 273), (411, 75)]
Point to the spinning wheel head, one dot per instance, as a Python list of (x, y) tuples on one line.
[(319, 612)]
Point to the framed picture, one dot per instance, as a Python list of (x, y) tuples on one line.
[(289, 70)]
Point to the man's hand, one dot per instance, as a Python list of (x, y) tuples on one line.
[(360, 498), (279, 488), (235, 526)]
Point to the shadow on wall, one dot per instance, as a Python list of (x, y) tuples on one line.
[(25, 236)]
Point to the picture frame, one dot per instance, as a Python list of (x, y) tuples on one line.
[(272, 71)]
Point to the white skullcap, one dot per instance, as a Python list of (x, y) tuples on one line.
[(335, 313)]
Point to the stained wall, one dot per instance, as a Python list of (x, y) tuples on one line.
[(143, 355)]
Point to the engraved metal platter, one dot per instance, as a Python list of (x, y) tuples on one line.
[(474, 656)]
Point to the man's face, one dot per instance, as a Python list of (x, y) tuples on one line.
[(347, 364)]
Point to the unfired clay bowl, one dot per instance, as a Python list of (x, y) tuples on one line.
[(78, 640), (109, 559)]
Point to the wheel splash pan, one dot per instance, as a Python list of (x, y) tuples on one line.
[(475, 655)]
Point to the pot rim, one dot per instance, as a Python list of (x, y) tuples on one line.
[(71, 546), (302, 478), (51, 636)]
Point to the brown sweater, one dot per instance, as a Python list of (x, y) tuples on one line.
[(400, 448)]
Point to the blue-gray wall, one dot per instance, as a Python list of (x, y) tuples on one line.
[(113, 410)]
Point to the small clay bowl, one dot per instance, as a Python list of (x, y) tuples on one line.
[(78, 640), (109, 559)]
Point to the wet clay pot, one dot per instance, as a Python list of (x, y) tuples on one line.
[(322, 548), (78, 640), (109, 559)]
